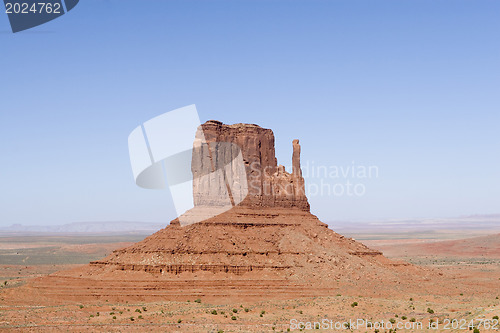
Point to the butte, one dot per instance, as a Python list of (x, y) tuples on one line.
[(266, 246)]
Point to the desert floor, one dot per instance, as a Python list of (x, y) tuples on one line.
[(475, 261)]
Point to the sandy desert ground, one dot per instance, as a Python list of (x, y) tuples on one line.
[(474, 263)]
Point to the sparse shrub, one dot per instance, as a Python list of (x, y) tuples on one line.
[(114, 317), (179, 321), (247, 309), (476, 330), (261, 315), (429, 310), (354, 304), (214, 312), (81, 306), (495, 317), (132, 319), (222, 312), (138, 310), (233, 318), (97, 314), (235, 310), (392, 320), (144, 309), (140, 317), (411, 299), (263, 312), (91, 316), (197, 300), (413, 320), (220, 331), (300, 311)]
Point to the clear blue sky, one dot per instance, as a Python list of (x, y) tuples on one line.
[(412, 87)]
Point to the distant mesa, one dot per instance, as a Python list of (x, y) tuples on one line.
[(104, 227)]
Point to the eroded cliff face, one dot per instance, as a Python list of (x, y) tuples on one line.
[(258, 181)]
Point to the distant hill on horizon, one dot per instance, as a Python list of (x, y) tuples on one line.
[(475, 247), (111, 227), (479, 224), (459, 227), (484, 246)]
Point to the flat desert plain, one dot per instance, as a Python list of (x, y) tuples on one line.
[(474, 263)]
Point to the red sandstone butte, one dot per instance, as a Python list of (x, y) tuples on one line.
[(267, 246)]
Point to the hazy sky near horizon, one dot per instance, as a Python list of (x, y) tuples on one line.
[(410, 88)]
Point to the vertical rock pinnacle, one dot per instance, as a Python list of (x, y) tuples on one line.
[(296, 171)]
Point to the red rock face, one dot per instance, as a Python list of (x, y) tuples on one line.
[(267, 184)]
